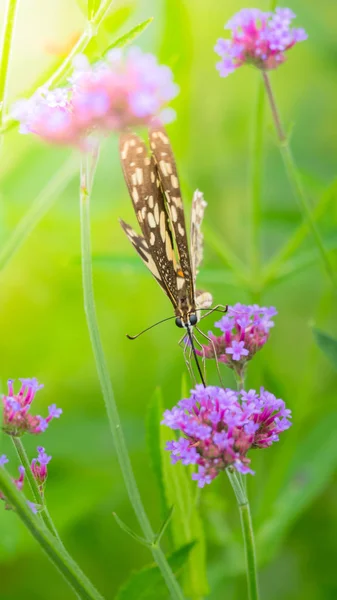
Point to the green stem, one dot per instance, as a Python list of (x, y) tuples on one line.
[(247, 532), (106, 387), (294, 176), (240, 378), (38, 498), (52, 547), (256, 187), (5, 52), (43, 202), (64, 69)]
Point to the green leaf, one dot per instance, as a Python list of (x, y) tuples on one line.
[(107, 32), (129, 531), (314, 462), (164, 525), (148, 583), (328, 345), (131, 35), (186, 525)]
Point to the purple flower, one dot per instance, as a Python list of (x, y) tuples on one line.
[(123, 90), (3, 460), (245, 330), (16, 417), (257, 38), (33, 507), (39, 466), (20, 481), (220, 426)]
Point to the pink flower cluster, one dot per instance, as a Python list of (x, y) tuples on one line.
[(219, 426), (120, 91), (16, 418), (245, 329), (257, 38)]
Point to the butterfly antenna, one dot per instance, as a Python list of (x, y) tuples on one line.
[(195, 356), (134, 337)]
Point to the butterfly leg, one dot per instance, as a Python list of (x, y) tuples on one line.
[(222, 307), (187, 356), (215, 354)]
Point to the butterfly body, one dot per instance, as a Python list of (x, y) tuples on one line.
[(154, 188)]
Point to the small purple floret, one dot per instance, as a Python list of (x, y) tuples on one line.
[(3, 460), (32, 506), (237, 349)]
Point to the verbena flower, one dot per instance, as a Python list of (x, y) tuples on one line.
[(16, 417), (257, 38), (120, 91), (3, 460), (219, 426), (245, 330), (39, 466)]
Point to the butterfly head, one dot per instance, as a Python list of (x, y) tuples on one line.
[(186, 321)]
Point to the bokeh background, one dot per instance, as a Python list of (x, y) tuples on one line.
[(42, 325)]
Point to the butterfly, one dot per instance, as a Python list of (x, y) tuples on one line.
[(154, 188)]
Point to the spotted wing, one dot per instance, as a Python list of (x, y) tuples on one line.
[(203, 299), (141, 246), (162, 152), (197, 238), (156, 246)]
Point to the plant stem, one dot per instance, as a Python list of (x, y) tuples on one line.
[(38, 498), (106, 387), (5, 52), (52, 546), (256, 185), (91, 31), (240, 378), (43, 202), (247, 532), (294, 176)]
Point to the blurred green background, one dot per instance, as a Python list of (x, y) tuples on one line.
[(43, 329)]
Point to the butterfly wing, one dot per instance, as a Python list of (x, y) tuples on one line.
[(203, 299), (140, 245), (163, 155), (197, 238), (156, 246)]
